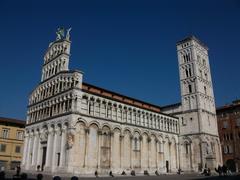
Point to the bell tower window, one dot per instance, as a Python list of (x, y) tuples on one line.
[(190, 88)]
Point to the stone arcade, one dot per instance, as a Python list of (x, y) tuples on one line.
[(74, 127)]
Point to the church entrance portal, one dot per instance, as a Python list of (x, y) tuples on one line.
[(167, 166)]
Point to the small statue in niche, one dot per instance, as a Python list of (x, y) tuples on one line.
[(70, 140), (43, 136)]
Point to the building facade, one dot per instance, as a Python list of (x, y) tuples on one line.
[(78, 128), (11, 142), (229, 132)]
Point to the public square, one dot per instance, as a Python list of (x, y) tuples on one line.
[(195, 176)]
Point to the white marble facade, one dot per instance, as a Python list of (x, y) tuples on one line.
[(73, 127)]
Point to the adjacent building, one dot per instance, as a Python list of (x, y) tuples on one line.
[(78, 128), (229, 132), (11, 142)]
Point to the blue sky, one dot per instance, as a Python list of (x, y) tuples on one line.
[(125, 46)]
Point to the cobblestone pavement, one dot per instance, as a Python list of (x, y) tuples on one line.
[(9, 175)]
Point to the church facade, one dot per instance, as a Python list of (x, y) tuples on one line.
[(78, 128)]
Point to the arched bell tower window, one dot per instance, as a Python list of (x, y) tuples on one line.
[(190, 88), (186, 148)]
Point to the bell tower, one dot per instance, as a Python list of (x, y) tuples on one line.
[(198, 121), (196, 87)]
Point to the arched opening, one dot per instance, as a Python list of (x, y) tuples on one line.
[(230, 163)]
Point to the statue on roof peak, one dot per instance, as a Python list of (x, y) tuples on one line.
[(68, 34), (61, 33)]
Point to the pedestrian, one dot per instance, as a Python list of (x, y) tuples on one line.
[(24, 176), (204, 172), (123, 173), (56, 178), (18, 170), (74, 178), (2, 175), (39, 177), (209, 172), (96, 173), (38, 167), (224, 170), (111, 174), (219, 170)]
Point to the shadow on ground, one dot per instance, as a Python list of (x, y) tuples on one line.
[(237, 177)]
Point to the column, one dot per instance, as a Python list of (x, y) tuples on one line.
[(58, 86), (141, 149), (177, 154), (111, 111), (60, 106), (63, 107), (179, 158), (190, 146), (111, 134), (106, 111), (29, 151), (163, 155), (121, 154), (156, 144), (73, 106), (55, 143), (35, 148), (93, 106), (63, 147), (49, 110), (131, 139), (131, 117), (85, 164), (36, 115), (122, 114), (39, 152), (99, 147), (170, 156), (88, 108), (149, 140), (26, 141), (49, 148), (126, 115)]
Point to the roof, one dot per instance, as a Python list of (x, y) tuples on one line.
[(234, 104), (11, 121), (191, 37), (121, 98), (171, 105)]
